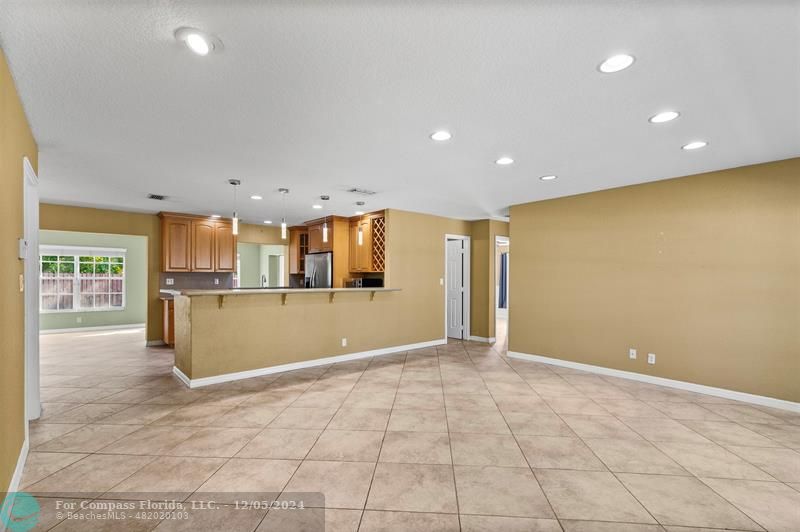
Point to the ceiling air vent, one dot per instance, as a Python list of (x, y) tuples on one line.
[(362, 191), (157, 197)]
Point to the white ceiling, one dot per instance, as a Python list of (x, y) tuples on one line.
[(323, 96)]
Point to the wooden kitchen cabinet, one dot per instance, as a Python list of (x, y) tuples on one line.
[(169, 322), (224, 247), (176, 238), (197, 244), (370, 256), (298, 247), (315, 243)]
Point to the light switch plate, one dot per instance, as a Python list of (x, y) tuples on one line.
[(651, 358), (170, 281), (216, 280), (632, 354)]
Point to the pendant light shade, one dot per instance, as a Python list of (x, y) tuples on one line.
[(360, 236), (284, 231), (325, 232), (235, 184)]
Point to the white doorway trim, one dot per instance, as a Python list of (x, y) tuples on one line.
[(501, 241), (467, 296), (30, 184)]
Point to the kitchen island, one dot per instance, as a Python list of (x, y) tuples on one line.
[(226, 335)]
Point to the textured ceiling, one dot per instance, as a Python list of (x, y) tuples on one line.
[(323, 96)]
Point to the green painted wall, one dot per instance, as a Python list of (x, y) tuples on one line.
[(135, 281), (250, 264)]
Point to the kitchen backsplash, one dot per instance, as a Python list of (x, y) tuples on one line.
[(195, 280)]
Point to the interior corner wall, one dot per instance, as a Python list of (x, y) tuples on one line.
[(16, 142), (703, 271), (482, 276)]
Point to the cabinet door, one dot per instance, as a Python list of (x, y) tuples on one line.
[(365, 249), (294, 252), (353, 259), (315, 238), (203, 245), (303, 251), (224, 247), (176, 236)]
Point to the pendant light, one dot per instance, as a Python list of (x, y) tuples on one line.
[(325, 222), (284, 231), (235, 183), (360, 230)]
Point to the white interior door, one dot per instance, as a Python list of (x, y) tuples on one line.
[(33, 405), (455, 289)]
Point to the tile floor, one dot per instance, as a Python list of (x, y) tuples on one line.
[(457, 437)]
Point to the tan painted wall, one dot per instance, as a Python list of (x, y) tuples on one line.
[(482, 271), (703, 270), (310, 327), (16, 142)]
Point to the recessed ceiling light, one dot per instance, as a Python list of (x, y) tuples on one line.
[(267, 221), (616, 63), (441, 135), (216, 216), (548, 177), (256, 197), (359, 213), (695, 145), (198, 41), (504, 161), (665, 116), (316, 206)]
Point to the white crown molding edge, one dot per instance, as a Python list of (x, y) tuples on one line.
[(323, 361), (650, 379)]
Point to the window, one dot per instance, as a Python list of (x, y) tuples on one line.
[(81, 279)]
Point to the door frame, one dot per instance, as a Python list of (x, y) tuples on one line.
[(466, 278), (498, 241), (30, 183)]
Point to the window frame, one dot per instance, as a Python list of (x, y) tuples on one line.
[(76, 252)]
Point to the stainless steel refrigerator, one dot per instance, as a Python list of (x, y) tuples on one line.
[(319, 268)]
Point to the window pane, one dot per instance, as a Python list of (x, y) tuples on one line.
[(49, 302), (101, 300), (49, 258), (65, 302), (116, 300), (66, 268), (116, 270), (49, 268), (117, 260), (49, 286), (87, 301), (101, 270), (86, 259), (86, 268), (66, 258), (65, 286), (101, 259), (87, 286), (101, 286), (116, 285)]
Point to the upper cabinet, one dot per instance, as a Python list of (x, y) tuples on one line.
[(298, 247), (368, 243), (315, 240), (197, 244)]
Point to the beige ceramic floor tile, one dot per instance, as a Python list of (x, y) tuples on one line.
[(193, 415), (685, 501), (773, 505), (40, 433), (39, 465), (416, 448), (504, 491), (377, 521), (347, 445), (521, 403), (482, 523), (150, 440), (537, 424), (599, 526), (139, 415), (687, 411), (476, 421), (247, 475), (227, 518), (169, 476), (711, 460), (555, 452), (413, 488), (634, 456), (344, 484), (630, 408), (729, 433), (577, 495), (281, 444), (486, 449), (464, 401), (249, 416), (214, 442), (783, 464), (575, 405), (599, 427), (93, 475), (303, 418), (360, 419), (663, 430), (310, 520), (88, 439), (408, 420)]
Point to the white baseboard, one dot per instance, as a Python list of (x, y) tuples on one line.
[(483, 339), (661, 381), (16, 478), (94, 328), (324, 361)]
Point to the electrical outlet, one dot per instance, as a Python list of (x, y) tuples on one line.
[(216, 280), (632, 354), (651, 358), (344, 342), (441, 281), (170, 281)]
